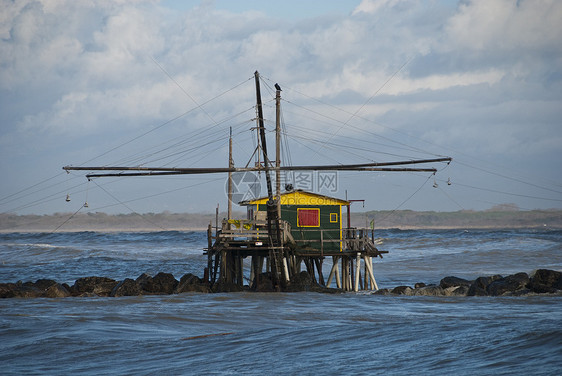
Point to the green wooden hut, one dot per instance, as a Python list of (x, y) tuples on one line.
[(316, 220)]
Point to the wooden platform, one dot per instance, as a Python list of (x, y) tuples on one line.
[(236, 240)]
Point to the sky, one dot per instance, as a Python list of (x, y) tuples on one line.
[(161, 83)]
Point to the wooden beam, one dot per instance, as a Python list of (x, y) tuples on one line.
[(157, 171)]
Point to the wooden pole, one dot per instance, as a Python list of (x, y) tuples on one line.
[(210, 252), (285, 267), (349, 273), (369, 264), (345, 273), (253, 266), (272, 214), (278, 171), (333, 271), (318, 262), (338, 279), (230, 165), (357, 271), (217, 220), (278, 150)]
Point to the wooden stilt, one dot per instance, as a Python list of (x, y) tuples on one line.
[(286, 269), (298, 262), (371, 275), (349, 273), (357, 272), (252, 267), (333, 271), (310, 268), (342, 286), (267, 265), (345, 273), (365, 274), (240, 271), (338, 279), (223, 273), (210, 252), (318, 262)]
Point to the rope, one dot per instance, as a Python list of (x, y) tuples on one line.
[(132, 211), (164, 123), (368, 100), (68, 219), (406, 200)]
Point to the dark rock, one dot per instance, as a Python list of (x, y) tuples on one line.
[(19, 290), (144, 280), (546, 281), (227, 287), (265, 283), (101, 286), (146, 283), (44, 284), (164, 283), (419, 285), (192, 283), (521, 292), (302, 282), (56, 291), (127, 287), (456, 290), (402, 290), (161, 283), (25, 290), (7, 290), (509, 284), (382, 292), (454, 281), (429, 291), (478, 287)]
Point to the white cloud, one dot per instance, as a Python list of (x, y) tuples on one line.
[(505, 25), (438, 82), (474, 69), (373, 6)]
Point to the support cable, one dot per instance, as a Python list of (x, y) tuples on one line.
[(68, 219), (163, 124), (128, 207)]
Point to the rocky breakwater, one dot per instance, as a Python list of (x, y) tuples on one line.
[(160, 284), (542, 281)]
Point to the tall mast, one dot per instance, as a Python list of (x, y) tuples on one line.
[(272, 214), (230, 166), (278, 148), (262, 135)]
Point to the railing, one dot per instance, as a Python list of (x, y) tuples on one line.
[(352, 239), (253, 229)]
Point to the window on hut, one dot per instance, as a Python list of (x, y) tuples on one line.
[(308, 217)]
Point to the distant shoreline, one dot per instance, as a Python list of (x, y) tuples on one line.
[(110, 230), (383, 220), (188, 229)]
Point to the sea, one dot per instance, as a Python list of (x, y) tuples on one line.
[(302, 333)]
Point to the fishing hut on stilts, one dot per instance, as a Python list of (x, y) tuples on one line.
[(284, 234)]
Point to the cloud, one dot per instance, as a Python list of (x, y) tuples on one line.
[(474, 75), (507, 26)]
